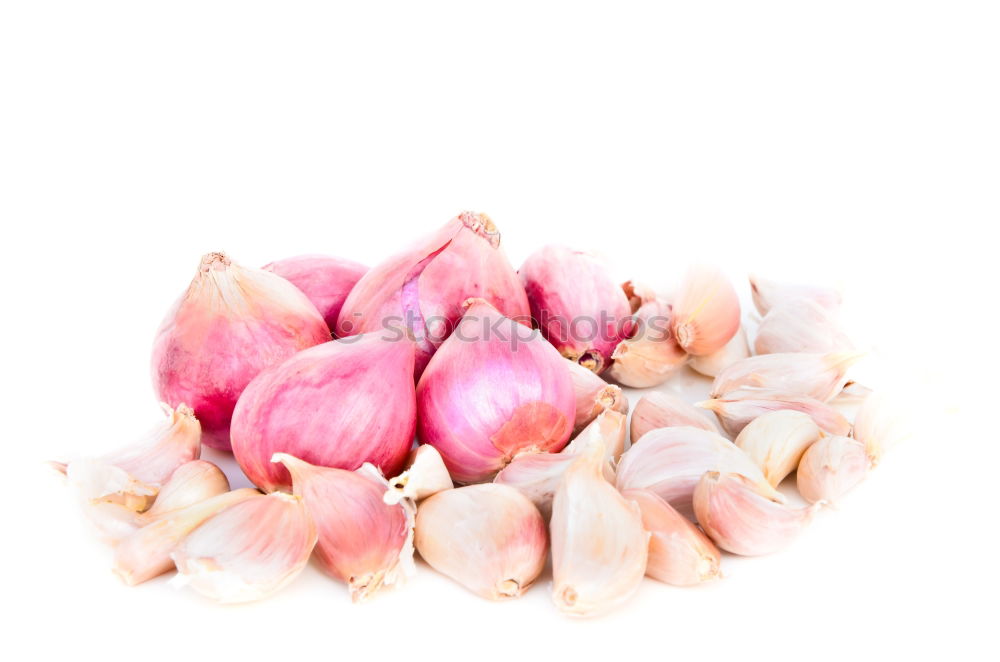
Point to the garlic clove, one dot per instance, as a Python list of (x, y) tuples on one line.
[(670, 461), (599, 548), (679, 553), (650, 355), (818, 376), (768, 294), (776, 441), (593, 395), (712, 364), (738, 408), (249, 550), (707, 312), (609, 430), (145, 553), (800, 325), (831, 468), (664, 410), (190, 483), (879, 424), (425, 476), (741, 520), (361, 539), (488, 538)]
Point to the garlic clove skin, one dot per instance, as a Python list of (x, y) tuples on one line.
[(776, 441), (712, 364), (145, 553), (879, 425), (664, 410), (426, 476), (679, 553), (190, 483), (831, 468), (800, 326), (670, 461), (248, 551), (707, 313), (741, 520), (650, 355), (769, 294), (599, 547), (361, 539), (593, 395), (818, 376), (325, 280), (738, 408), (488, 538)]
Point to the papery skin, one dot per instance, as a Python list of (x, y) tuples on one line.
[(488, 538), (800, 325), (576, 304), (776, 441), (190, 483), (768, 294), (494, 389), (340, 404), (599, 547), (740, 407), (537, 475), (670, 461), (650, 354), (706, 314), (232, 323), (361, 540), (879, 425), (593, 395), (423, 288), (146, 553), (818, 376), (712, 364), (663, 410), (325, 280), (741, 520), (247, 551), (426, 475), (679, 553), (831, 468)]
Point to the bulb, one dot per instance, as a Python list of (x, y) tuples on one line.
[(325, 280)]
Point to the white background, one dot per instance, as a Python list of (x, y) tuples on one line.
[(853, 142)]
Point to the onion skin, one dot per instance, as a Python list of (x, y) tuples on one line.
[(324, 279), (485, 397), (232, 323), (340, 404), (565, 286), (423, 288)]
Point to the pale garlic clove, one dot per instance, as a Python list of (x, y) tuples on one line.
[(831, 468), (248, 551), (425, 476), (361, 539), (800, 325), (768, 294), (146, 553), (665, 410), (818, 376), (192, 482), (109, 497), (741, 520), (537, 475), (712, 364), (776, 441), (679, 553), (599, 548), (738, 408), (707, 313), (650, 355), (489, 538), (879, 424), (593, 395), (670, 461)]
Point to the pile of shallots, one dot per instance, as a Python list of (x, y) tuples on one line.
[(317, 374)]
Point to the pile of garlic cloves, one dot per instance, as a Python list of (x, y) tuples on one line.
[(318, 374)]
